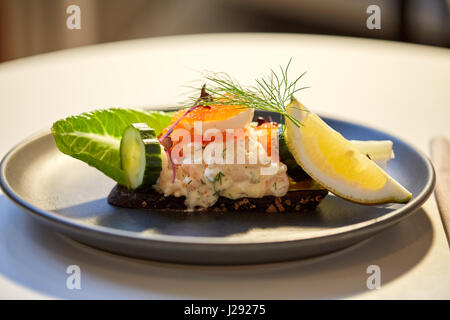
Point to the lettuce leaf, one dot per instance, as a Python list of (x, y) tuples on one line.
[(94, 137)]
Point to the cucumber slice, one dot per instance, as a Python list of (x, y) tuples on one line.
[(140, 155)]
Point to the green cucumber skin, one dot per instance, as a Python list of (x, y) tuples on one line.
[(145, 131), (153, 161), (293, 169), (152, 149)]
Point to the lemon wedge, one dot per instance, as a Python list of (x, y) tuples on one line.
[(336, 163)]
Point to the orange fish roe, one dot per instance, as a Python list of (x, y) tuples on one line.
[(205, 113), (216, 113), (265, 138), (208, 113)]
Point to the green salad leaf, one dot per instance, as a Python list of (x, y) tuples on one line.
[(94, 137)]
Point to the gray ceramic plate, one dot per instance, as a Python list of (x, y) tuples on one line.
[(70, 197)]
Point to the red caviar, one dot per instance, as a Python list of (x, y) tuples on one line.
[(217, 113), (265, 138)]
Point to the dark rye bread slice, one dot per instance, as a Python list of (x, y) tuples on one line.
[(148, 198)]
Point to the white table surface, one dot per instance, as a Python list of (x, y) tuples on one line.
[(400, 88)]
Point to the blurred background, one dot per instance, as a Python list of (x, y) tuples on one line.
[(29, 27)]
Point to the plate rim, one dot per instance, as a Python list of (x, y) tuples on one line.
[(341, 231)]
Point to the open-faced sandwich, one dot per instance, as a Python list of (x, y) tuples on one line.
[(217, 154)]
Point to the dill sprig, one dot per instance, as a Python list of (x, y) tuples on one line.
[(270, 93)]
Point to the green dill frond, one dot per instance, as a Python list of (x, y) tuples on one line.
[(270, 93)]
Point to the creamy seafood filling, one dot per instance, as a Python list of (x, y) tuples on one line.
[(202, 184)]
